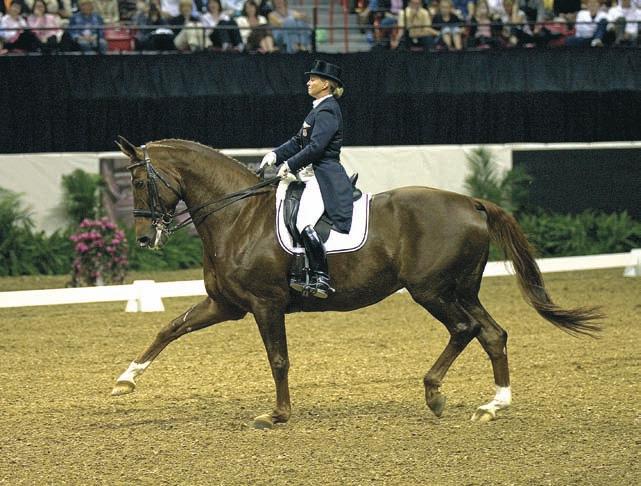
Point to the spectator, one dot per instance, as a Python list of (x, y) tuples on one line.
[(160, 38), (464, 9), (266, 7), (85, 28), (449, 25), (516, 31), (496, 9), (418, 22), (291, 30), (591, 25), (222, 31), (568, 9), (45, 26), (383, 15), (253, 29), (108, 10), (128, 9), (552, 31), (390, 21), (233, 8), (482, 33), (190, 36), (13, 33), (62, 8), (531, 8), (170, 8), (624, 18)]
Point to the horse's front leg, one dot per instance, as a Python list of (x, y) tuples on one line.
[(203, 314), (271, 323)]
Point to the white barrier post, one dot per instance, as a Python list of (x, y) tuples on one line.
[(146, 297), (634, 270)]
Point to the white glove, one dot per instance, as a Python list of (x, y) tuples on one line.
[(269, 160), (283, 171)]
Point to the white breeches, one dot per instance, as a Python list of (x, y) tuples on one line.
[(311, 205)]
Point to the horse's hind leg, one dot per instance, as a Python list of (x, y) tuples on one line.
[(462, 328), (203, 314), (493, 338)]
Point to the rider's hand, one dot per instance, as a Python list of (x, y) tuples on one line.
[(269, 160), (284, 170)]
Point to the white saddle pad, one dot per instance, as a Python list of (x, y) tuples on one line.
[(337, 242)]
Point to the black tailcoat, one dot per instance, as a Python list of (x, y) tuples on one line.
[(319, 142)]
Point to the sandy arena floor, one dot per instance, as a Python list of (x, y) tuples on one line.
[(356, 381)]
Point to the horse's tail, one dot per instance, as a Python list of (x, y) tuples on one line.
[(507, 234)]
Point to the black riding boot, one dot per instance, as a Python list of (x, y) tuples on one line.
[(298, 274), (319, 274)]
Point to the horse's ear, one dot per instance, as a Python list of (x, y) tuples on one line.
[(126, 147)]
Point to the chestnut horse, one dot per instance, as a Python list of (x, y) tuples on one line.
[(433, 243)]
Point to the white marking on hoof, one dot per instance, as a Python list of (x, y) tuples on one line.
[(487, 412), (126, 383)]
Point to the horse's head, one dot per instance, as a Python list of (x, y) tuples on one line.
[(156, 194)]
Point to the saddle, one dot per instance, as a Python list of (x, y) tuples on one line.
[(291, 206)]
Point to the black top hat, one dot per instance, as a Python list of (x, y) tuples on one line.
[(326, 70)]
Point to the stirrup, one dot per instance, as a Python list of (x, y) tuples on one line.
[(319, 287), (298, 284)]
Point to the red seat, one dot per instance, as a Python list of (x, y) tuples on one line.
[(119, 39)]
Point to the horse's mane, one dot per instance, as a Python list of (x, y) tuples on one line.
[(204, 150)]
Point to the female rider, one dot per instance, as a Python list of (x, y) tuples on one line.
[(313, 154)]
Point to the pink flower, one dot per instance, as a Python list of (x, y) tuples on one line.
[(81, 247)]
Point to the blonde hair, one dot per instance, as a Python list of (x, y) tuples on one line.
[(335, 89)]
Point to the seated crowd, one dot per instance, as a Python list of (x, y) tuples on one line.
[(159, 25), (271, 25), (460, 24)]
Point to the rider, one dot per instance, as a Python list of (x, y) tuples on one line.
[(314, 155)]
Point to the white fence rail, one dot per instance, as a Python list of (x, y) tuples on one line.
[(146, 295)]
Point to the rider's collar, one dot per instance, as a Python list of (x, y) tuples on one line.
[(317, 102)]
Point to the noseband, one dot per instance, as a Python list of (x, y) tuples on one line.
[(162, 219)]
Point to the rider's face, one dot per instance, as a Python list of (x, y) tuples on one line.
[(316, 86)]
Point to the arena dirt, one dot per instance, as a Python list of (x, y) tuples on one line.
[(356, 380)]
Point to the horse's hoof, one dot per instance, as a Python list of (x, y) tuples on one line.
[(483, 416), (436, 403), (123, 388), (264, 422)]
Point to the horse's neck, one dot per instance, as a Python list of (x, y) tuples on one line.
[(206, 181)]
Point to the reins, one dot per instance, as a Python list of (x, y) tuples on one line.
[(225, 200), (162, 219)]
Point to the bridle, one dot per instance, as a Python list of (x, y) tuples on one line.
[(162, 218)]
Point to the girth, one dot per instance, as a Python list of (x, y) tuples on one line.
[(291, 206)]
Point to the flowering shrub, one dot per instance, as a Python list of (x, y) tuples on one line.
[(101, 254)]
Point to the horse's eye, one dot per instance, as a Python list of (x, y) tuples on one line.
[(139, 184)]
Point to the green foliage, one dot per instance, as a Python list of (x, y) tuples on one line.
[(81, 196), (509, 190), (183, 250), (25, 251), (588, 233)]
